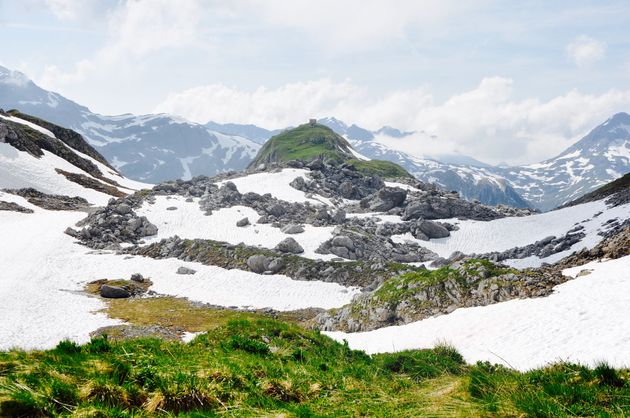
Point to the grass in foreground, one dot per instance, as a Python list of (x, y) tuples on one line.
[(271, 368), (245, 368)]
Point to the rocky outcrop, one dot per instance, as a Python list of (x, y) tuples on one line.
[(361, 273), (352, 245), (417, 295), (542, 248), (114, 224), (13, 207), (50, 202)]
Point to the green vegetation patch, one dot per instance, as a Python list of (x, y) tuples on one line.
[(170, 312), (560, 390), (304, 143), (405, 286), (384, 169), (270, 368)]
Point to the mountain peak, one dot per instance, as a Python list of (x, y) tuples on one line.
[(13, 77), (621, 118)]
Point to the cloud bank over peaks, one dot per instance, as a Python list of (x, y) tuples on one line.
[(485, 122)]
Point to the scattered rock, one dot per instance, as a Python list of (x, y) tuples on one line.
[(137, 277), (185, 270), (292, 229), (242, 222)]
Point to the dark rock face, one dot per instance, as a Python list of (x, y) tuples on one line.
[(67, 136), (114, 292), (34, 142)]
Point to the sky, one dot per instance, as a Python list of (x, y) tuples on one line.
[(502, 81)]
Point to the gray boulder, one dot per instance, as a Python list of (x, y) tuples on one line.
[(289, 245), (388, 198), (293, 229), (275, 265), (258, 263), (185, 270), (242, 222), (114, 292), (137, 277), (433, 230), (276, 210), (339, 216), (342, 241)]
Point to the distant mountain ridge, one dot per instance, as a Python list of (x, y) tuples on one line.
[(150, 148), (600, 157), (154, 148)]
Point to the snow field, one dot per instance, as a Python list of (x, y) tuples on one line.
[(278, 184), (188, 221), (585, 321), (44, 271), (483, 237)]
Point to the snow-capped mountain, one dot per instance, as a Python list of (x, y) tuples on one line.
[(149, 147), (600, 157), (472, 183)]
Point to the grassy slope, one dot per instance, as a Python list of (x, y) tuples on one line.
[(268, 368), (303, 143), (384, 169)]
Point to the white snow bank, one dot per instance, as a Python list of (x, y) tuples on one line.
[(401, 186), (502, 234), (278, 184), (188, 221), (585, 320)]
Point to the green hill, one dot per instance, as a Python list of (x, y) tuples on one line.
[(310, 142), (306, 143)]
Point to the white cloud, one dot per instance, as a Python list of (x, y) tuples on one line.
[(484, 122), (357, 24), (585, 51), (135, 29)]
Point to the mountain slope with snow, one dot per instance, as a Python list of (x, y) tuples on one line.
[(149, 148), (32, 156)]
